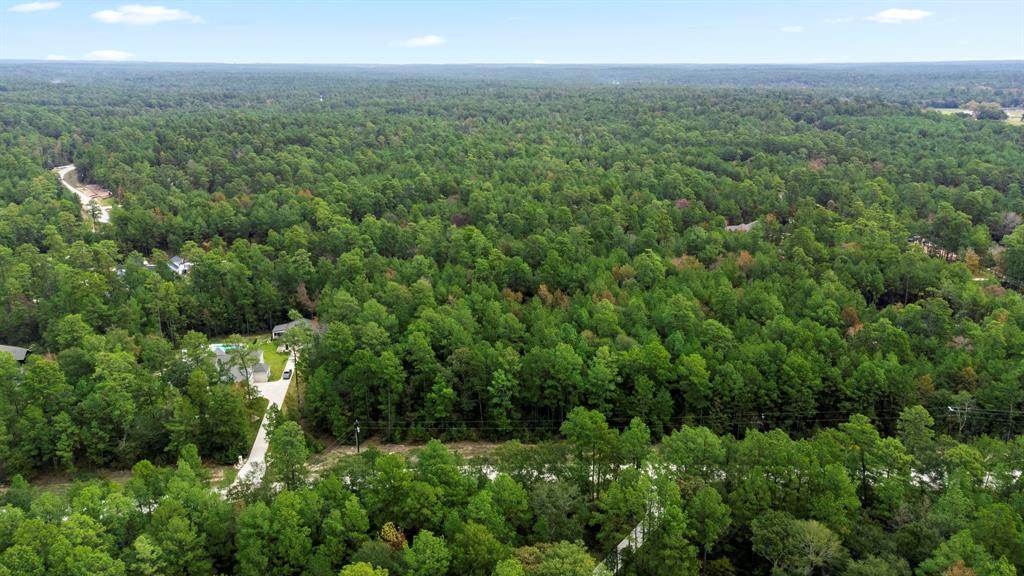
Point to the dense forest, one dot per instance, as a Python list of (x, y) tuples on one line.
[(777, 306), (844, 501)]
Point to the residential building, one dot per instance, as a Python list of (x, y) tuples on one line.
[(179, 265), (280, 329), (225, 357), (18, 353)]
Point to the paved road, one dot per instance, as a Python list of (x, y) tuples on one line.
[(255, 465), (83, 196), (633, 541)]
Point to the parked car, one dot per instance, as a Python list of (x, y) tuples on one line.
[(287, 375)]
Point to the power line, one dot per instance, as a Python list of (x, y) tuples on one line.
[(825, 416)]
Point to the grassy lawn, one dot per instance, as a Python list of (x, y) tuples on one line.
[(262, 337), (274, 359), (293, 398), (258, 408), (230, 473)]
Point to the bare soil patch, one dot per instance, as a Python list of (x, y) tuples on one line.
[(334, 451), (93, 191)]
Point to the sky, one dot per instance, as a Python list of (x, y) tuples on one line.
[(525, 31)]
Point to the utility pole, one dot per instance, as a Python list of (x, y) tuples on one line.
[(357, 436), (961, 411)]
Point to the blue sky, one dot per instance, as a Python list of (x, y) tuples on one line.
[(538, 31)]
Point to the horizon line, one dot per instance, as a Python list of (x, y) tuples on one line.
[(510, 63)]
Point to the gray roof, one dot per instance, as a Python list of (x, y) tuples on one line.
[(179, 265), (18, 353), (226, 360), (746, 227), (281, 328)]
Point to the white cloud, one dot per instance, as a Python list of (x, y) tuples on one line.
[(898, 15), (56, 57), (842, 20), (139, 15), (423, 41), (538, 61), (108, 55), (34, 6), (792, 29)]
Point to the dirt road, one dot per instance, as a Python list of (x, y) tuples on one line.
[(86, 194)]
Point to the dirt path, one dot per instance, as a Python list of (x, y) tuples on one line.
[(333, 452), (87, 193)]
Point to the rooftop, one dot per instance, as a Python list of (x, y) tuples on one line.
[(282, 328), (745, 227), (224, 359), (18, 353)]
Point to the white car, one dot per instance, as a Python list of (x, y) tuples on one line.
[(287, 375)]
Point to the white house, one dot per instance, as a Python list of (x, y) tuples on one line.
[(258, 370), (179, 265)]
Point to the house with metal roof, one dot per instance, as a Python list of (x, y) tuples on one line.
[(179, 265), (745, 227), (17, 352), (280, 329)]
